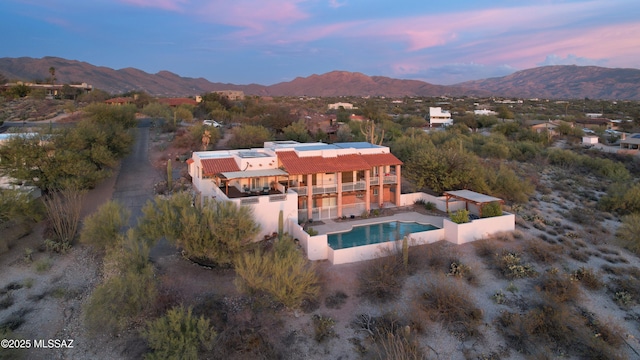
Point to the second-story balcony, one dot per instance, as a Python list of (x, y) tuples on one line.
[(386, 179)]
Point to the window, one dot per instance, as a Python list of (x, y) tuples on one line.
[(375, 192)]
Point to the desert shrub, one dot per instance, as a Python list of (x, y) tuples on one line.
[(588, 278), (213, 233), (486, 249), (335, 300), (579, 255), (557, 287), (392, 338), (323, 327), (246, 341), (311, 231), (460, 217), (450, 304), (399, 345), (383, 280), (283, 272), (102, 228), (510, 266), (18, 209), (63, 211), (178, 335), (542, 252), (625, 289), (492, 209), (629, 233), (120, 300)]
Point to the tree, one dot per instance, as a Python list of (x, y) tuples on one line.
[(184, 112), (214, 232), (505, 113), (157, 110), (445, 168), (52, 71), (249, 136), (297, 131)]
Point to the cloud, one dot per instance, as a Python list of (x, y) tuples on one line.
[(447, 74), (336, 4), (571, 59), (170, 5)]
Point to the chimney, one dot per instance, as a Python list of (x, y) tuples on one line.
[(623, 136)]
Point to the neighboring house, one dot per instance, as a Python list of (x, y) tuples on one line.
[(235, 95), (589, 140), (484, 112), (439, 117), (631, 142), (306, 181), (549, 126), (594, 122), (336, 106)]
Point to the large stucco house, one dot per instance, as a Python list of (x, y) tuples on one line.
[(303, 180)]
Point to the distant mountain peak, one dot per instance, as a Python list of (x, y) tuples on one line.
[(556, 81)]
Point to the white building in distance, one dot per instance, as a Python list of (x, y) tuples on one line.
[(439, 117), (346, 106)]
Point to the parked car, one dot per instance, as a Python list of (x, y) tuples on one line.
[(211, 123)]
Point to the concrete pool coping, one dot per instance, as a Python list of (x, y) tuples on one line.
[(331, 226)]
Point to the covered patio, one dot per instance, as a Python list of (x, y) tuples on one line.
[(471, 197), (251, 182)]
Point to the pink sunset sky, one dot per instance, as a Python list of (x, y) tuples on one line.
[(268, 41)]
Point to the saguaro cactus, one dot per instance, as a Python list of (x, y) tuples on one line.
[(280, 225), (169, 175)]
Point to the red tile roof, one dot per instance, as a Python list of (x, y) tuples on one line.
[(381, 159), (216, 166), (190, 161), (119, 100), (295, 165)]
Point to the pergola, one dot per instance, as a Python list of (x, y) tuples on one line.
[(472, 197)]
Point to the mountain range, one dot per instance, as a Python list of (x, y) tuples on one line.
[(552, 82)]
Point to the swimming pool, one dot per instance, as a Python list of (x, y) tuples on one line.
[(375, 234)]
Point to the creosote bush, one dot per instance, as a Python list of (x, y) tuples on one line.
[(178, 335), (102, 228), (283, 272), (382, 281), (449, 303), (323, 327)]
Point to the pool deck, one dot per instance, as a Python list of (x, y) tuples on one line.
[(331, 226)]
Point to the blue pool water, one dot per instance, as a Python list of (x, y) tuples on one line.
[(375, 234)]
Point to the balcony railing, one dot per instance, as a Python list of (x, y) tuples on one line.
[(354, 186), (351, 186)]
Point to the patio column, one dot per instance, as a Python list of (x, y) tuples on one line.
[(339, 175), (367, 190), (398, 185), (380, 186), (309, 197)]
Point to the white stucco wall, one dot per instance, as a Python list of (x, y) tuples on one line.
[(266, 211), (478, 229), (439, 202)]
